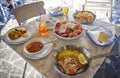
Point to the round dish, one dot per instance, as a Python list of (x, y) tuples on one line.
[(70, 65), (84, 17), (40, 54), (21, 39), (67, 30)]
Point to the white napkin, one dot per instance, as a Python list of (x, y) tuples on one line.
[(94, 33), (56, 10)]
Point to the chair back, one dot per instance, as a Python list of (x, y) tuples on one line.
[(28, 11)]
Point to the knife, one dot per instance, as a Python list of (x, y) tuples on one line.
[(115, 50)]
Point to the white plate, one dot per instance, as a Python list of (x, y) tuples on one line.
[(67, 38), (47, 49), (94, 33), (21, 39)]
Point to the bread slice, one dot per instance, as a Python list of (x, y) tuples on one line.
[(103, 37)]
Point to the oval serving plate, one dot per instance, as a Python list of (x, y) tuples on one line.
[(21, 39)]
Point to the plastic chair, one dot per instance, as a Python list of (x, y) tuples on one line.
[(28, 11)]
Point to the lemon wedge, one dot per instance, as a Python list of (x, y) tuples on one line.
[(25, 35), (103, 37), (82, 59)]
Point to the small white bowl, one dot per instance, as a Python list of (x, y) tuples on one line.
[(34, 40)]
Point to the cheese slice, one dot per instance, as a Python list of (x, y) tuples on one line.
[(71, 25), (63, 28), (103, 37)]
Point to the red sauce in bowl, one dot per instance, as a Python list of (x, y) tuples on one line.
[(34, 47)]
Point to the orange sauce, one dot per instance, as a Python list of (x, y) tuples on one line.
[(34, 47)]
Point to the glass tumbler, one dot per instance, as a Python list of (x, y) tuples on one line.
[(65, 12), (43, 29)]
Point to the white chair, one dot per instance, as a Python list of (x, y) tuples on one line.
[(28, 11)]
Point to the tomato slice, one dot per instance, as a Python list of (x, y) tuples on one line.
[(57, 30)]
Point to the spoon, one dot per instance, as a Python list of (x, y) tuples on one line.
[(48, 42)]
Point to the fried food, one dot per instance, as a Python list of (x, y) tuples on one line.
[(84, 17), (17, 33)]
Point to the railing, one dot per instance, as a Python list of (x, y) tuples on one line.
[(100, 8)]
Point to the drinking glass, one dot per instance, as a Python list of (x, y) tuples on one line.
[(43, 29), (65, 12)]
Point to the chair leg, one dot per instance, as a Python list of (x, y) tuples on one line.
[(25, 67), (43, 76)]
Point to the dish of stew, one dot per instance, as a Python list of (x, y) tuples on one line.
[(34, 47)]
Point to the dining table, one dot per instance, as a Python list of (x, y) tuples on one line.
[(45, 65)]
